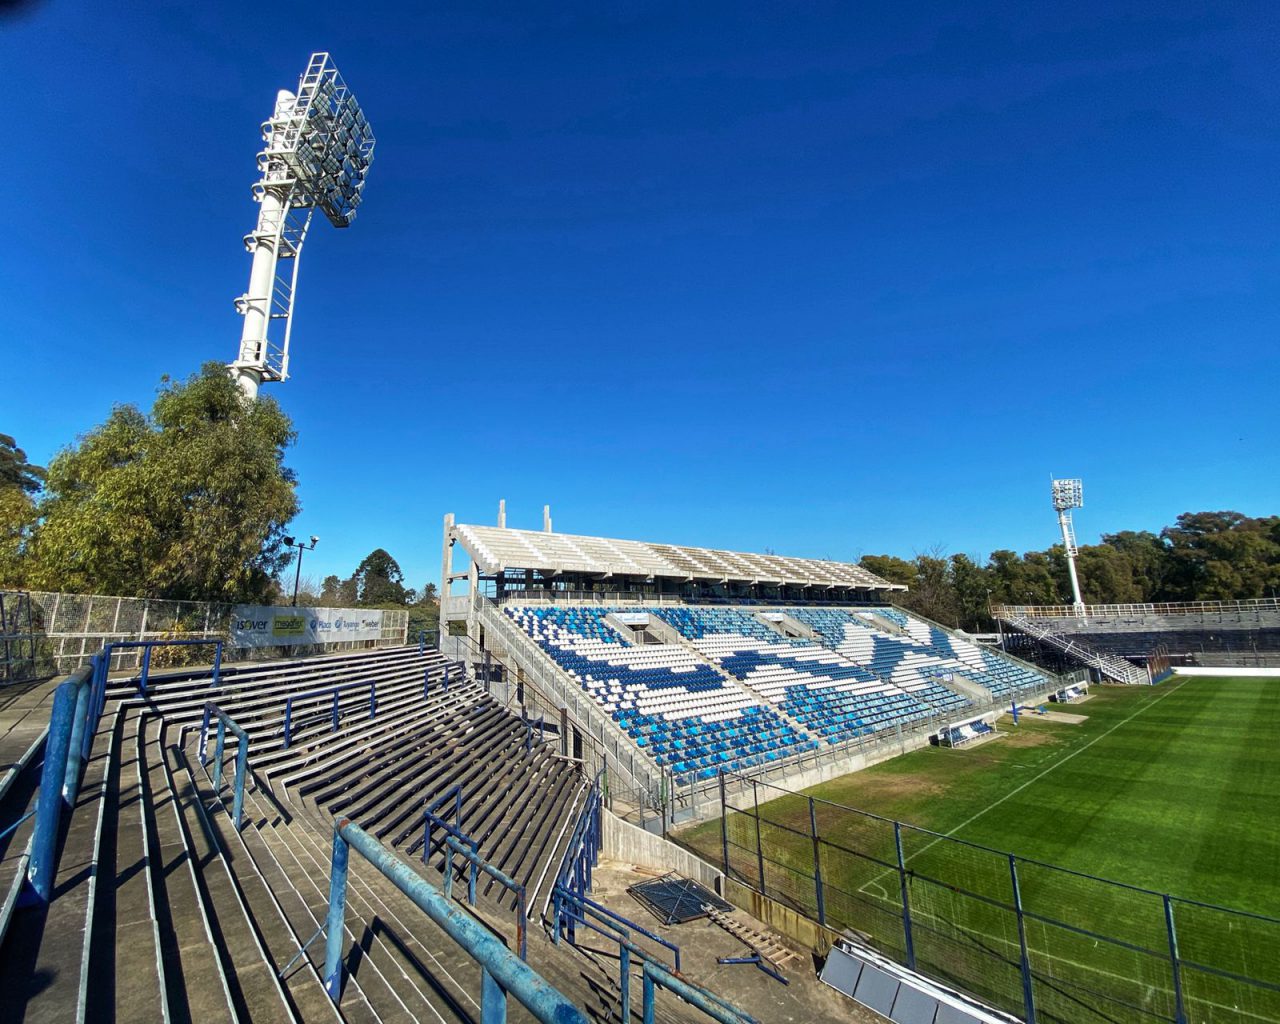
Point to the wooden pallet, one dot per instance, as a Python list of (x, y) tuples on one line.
[(769, 948)]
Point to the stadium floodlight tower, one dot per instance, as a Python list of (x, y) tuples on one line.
[(1069, 494), (319, 147)]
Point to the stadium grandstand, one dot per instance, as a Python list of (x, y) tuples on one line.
[(1117, 641), (666, 665)]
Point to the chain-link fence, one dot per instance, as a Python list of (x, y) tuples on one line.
[(49, 633), (1044, 942)]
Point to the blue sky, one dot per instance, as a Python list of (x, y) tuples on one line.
[(830, 279)]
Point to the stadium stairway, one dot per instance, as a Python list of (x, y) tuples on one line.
[(1113, 667), (164, 911)]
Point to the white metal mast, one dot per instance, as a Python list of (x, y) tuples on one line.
[(318, 150), (1069, 494)]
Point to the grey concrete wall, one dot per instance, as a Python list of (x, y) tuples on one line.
[(629, 844)]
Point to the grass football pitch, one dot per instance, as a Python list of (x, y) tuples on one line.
[(1173, 789)]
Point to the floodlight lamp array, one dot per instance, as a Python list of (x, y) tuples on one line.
[(320, 143), (1067, 494)]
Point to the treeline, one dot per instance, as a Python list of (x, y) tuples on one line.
[(1204, 556), (378, 582)]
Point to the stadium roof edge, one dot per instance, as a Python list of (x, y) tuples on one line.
[(496, 549)]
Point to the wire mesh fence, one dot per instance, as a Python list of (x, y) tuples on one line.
[(1043, 942), (45, 633)]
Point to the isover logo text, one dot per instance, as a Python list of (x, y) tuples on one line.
[(289, 625)]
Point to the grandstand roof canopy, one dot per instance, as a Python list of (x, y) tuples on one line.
[(496, 549)]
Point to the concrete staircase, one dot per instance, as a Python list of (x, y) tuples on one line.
[(1117, 669), (164, 911)]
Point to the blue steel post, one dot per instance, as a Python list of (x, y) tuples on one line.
[(146, 668), (1028, 989), (373, 700), (217, 664), (817, 865), (907, 936), (335, 711), (624, 979), (288, 722), (493, 1001), (75, 746), (647, 997), (755, 797), (426, 683), (242, 769), (49, 802), (333, 933), (217, 754), (724, 826), (1175, 963)]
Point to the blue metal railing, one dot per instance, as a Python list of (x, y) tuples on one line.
[(225, 722), (583, 850), (613, 926), (335, 712), (470, 853), (459, 842), (149, 645), (77, 706), (501, 971)]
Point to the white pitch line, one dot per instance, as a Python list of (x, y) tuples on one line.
[(1032, 781)]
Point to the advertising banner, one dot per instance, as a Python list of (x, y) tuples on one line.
[(266, 626)]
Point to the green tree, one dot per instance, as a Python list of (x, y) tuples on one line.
[(890, 568), (19, 481), (379, 580), (187, 503)]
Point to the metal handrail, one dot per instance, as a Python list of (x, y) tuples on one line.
[(1066, 611), (336, 715), (149, 645), (225, 723), (501, 971), (471, 854)]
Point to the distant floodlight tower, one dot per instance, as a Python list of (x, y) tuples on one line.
[(1069, 494), (319, 147)]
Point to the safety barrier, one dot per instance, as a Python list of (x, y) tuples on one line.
[(148, 646), (501, 971), (572, 910), (74, 720), (336, 713), (226, 722)]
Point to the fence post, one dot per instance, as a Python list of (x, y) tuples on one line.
[(218, 746), (817, 865), (1028, 992), (493, 1001), (146, 668), (75, 747), (49, 803), (907, 935), (755, 799), (333, 933), (242, 769), (647, 1004), (1175, 963), (217, 658)]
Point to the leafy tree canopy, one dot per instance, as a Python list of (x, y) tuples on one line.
[(189, 502)]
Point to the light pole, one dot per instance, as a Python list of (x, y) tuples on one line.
[(297, 576), (318, 149)]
